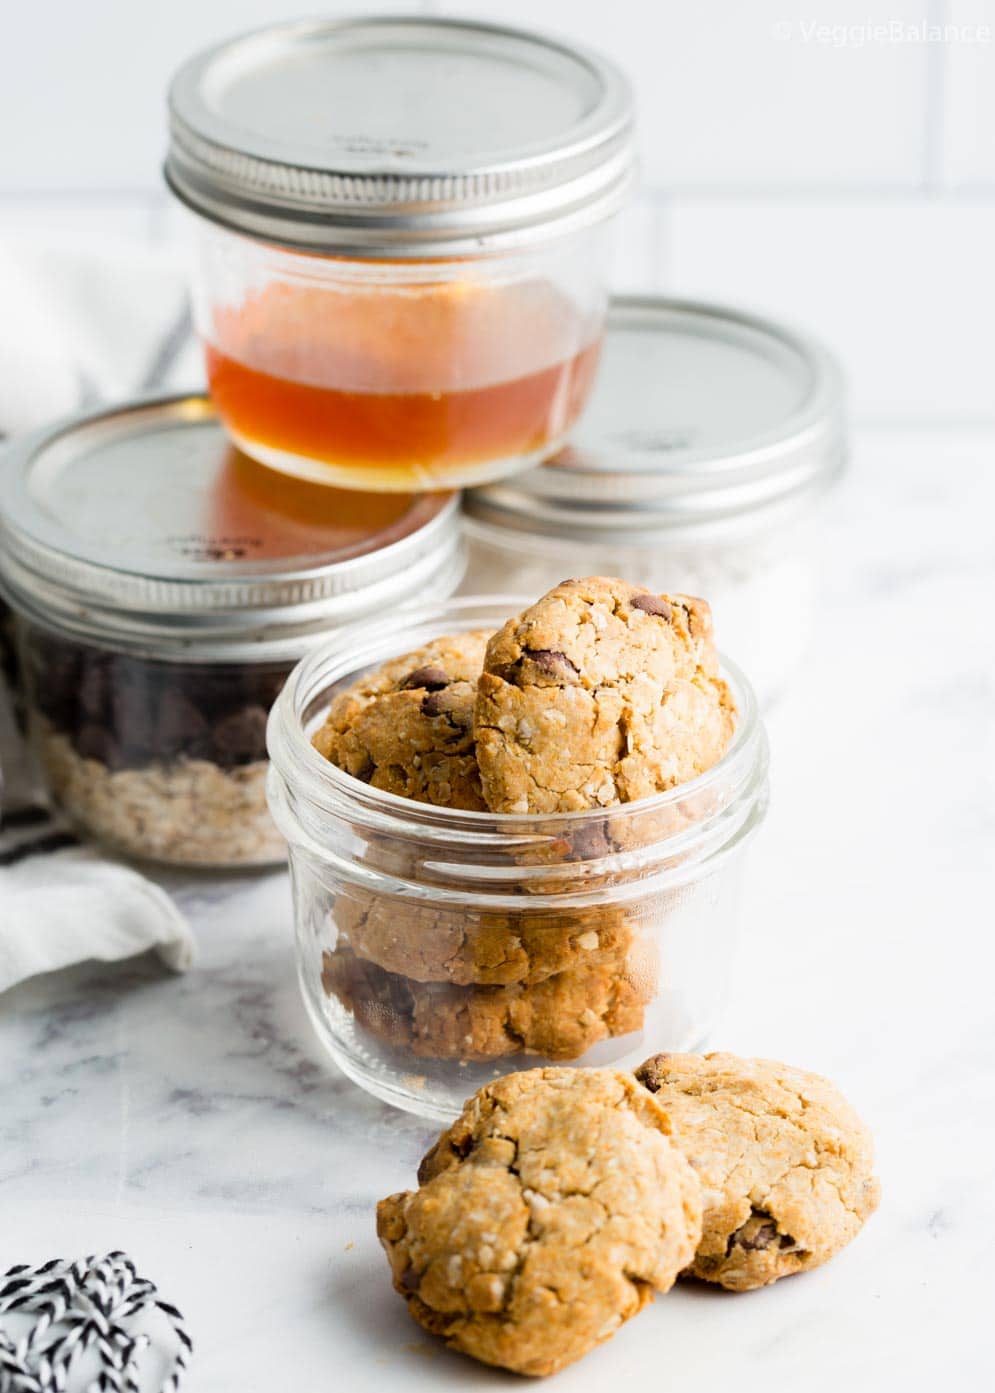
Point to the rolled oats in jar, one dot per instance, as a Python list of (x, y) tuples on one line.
[(163, 585), (701, 465), (400, 231)]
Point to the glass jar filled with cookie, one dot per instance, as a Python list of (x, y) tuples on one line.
[(163, 585), (400, 234), (701, 464), (515, 834)]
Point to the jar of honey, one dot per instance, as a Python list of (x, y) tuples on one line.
[(401, 247)]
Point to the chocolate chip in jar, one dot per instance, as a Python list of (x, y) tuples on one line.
[(151, 663), (407, 726), (239, 738), (180, 728)]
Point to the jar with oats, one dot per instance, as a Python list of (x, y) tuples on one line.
[(438, 948), (163, 585)]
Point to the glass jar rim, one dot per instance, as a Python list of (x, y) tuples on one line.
[(317, 783)]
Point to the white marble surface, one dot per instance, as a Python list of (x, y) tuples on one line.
[(194, 1122)]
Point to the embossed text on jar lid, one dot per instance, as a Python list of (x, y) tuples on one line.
[(145, 520), (700, 415), (399, 136)]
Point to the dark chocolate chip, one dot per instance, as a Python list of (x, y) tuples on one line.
[(652, 604), (180, 728), (760, 1239), (95, 742), (438, 703), (464, 1146), (653, 1073), (591, 842), (94, 688), (366, 770), (756, 1235), (786, 1241), (431, 678), (240, 737), (552, 662), (133, 721)]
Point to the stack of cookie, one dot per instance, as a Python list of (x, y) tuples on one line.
[(599, 694), (562, 1199)]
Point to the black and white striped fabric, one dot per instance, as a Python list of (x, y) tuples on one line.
[(96, 1314)]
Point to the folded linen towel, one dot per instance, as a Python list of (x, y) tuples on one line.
[(62, 902), (83, 326)]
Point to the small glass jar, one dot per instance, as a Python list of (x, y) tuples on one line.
[(438, 949), (389, 297), (162, 587), (700, 467)]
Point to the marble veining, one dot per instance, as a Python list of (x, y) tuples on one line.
[(196, 1122)]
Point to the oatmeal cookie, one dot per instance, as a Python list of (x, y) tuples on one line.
[(547, 1215), (600, 693), (431, 943), (785, 1163), (407, 727), (560, 1017)]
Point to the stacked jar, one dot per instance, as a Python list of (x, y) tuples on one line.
[(163, 586), (701, 464), (401, 242), (407, 294)]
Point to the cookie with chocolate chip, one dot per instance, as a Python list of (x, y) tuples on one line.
[(560, 1017), (430, 942), (407, 727), (546, 1216), (600, 693), (785, 1164)]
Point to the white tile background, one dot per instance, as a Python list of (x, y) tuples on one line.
[(794, 159)]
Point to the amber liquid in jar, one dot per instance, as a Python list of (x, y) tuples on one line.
[(424, 387)]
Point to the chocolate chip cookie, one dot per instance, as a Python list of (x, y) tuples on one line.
[(407, 727), (600, 693), (432, 943), (560, 1017), (547, 1215), (784, 1162)]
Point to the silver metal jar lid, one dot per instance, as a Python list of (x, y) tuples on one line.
[(399, 136), (700, 417), (143, 526)]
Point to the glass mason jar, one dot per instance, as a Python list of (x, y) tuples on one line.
[(701, 466), (440, 948), (162, 587), (389, 298)]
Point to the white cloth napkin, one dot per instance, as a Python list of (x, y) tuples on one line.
[(85, 325), (73, 906), (62, 902), (79, 326)]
